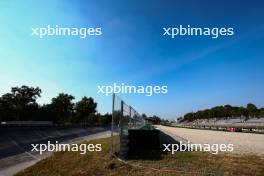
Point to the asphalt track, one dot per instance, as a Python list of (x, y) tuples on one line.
[(15, 143)]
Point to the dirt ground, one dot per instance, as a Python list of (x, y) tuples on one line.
[(244, 143)]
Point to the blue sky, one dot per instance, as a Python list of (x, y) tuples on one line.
[(200, 72)]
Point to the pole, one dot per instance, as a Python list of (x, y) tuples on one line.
[(130, 118), (121, 124), (112, 125)]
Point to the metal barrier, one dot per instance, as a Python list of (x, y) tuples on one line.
[(124, 117)]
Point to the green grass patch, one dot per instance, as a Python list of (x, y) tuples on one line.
[(148, 127)]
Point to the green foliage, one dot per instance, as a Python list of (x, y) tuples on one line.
[(144, 115), (252, 109), (225, 111), (85, 109), (20, 104), (62, 107), (154, 119)]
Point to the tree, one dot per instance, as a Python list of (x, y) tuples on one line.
[(225, 112), (144, 116), (261, 111), (62, 108), (189, 116), (84, 109), (20, 104), (105, 119), (25, 95), (155, 119), (252, 109), (7, 108)]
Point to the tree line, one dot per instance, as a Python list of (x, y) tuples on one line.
[(20, 105), (153, 119), (226, 111)]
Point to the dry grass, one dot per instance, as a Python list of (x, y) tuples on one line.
[(145, 163)]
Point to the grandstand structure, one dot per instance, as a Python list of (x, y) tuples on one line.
[(228, 124)]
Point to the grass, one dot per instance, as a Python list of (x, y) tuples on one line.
[(145, 163), (148, 127)]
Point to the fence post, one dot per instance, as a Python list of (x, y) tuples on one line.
[(112, 126), (130, 117), (121, 124)]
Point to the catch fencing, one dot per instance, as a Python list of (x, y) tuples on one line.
[(124, 117)]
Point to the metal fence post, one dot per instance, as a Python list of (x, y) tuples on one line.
[(112, 125), (121, 124), (130, 117)]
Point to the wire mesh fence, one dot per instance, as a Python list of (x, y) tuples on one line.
[(124, 117)]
